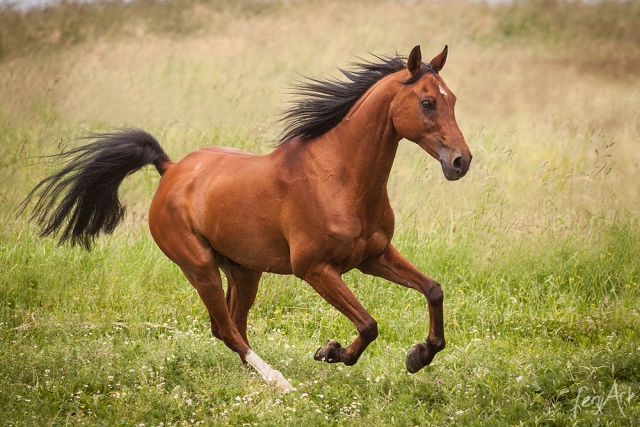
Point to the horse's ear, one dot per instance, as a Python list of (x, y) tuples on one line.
[(438, 62), (415, 60)]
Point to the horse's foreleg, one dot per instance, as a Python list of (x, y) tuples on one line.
[(391, 265), (327, 282)]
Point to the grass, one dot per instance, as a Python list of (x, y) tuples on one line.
[(536, 249)]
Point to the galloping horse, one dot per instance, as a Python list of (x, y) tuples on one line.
[(317, 206)]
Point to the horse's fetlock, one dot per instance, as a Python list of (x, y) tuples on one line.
[(350, 362), (436, 344)]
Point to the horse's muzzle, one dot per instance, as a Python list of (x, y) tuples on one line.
[(457, 168)]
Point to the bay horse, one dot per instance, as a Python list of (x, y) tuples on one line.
[(316, 206)]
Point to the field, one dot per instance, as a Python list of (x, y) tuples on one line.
[(537, 248)]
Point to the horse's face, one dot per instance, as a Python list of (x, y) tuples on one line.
[(423, 112)]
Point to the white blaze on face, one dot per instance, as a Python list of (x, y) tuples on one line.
[(442, 91)]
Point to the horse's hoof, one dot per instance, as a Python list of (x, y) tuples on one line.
[(421, 355), (330, 352), (414, 361)]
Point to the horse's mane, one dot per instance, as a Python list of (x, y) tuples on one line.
[(321, 104)]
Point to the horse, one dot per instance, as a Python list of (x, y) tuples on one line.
[(316, 206)]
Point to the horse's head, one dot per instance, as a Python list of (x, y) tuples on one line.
[(422, 112)]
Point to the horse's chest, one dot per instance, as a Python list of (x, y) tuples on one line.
[(362, 248), (374, 237), (377, 243)]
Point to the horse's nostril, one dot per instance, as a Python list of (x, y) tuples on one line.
[(457, 163)]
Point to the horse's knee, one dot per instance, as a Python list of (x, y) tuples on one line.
[(369, 331), (434, 294)]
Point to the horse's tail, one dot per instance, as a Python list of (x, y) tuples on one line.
[(82, 198)]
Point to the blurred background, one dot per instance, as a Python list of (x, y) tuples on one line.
[(549, 93)]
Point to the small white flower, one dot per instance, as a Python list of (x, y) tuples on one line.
[(110, 377), (519, 378)]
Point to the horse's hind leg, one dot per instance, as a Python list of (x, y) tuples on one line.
[(241, 294), (196, 259), (243, 287)]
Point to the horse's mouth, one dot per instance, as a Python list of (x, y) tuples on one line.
[(454, 172)]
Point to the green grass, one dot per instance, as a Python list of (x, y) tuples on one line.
[(536, 249)]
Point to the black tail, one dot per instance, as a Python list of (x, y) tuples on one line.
[(84, 193)]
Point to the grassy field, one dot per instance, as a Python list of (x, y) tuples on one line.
[(537, 248)]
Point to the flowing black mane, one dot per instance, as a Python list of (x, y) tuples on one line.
[(323, 103)]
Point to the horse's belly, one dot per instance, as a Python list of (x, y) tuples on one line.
[(256, 248)]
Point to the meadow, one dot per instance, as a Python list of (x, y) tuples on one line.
[(536, 249)]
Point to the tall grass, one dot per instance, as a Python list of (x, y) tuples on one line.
[(536, 249)]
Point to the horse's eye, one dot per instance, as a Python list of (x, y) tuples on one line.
[(429, 104)]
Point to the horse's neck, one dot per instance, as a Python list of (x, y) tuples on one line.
[(360, 150)]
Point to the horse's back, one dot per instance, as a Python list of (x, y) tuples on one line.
[(224, 150)]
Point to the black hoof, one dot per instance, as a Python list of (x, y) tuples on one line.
[(420, 355), (331, 352), (414, 361)]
